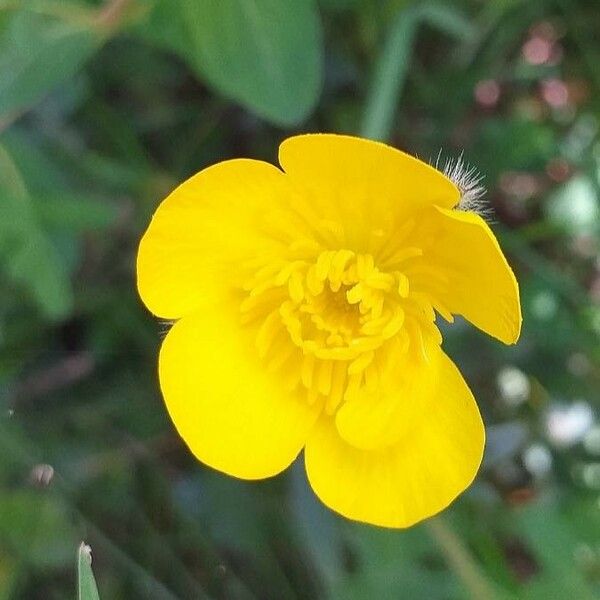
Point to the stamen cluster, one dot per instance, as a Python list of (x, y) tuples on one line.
[(329, 320)]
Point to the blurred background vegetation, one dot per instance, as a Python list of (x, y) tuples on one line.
[(105, 107)]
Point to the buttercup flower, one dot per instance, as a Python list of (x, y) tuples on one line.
[(305, 304)]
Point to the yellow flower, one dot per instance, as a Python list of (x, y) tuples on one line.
[(305, 303)]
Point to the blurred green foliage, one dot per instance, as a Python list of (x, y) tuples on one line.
[(105, 107)]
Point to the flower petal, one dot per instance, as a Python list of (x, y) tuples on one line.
[(202, 231), (365, 182), (401, 395), (234, 415), (481, 285), (412, 480)]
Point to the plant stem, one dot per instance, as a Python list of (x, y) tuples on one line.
[(460, 560), (392, 66), (390, 74), (112, 13)]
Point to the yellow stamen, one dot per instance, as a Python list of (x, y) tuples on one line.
[(329, 319)]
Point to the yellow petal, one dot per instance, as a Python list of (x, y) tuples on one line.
[(361, 182), (234, 415), (202, 232), (480, 284), (402, 394), (412, 480)]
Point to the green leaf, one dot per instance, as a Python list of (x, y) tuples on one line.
[(30, 258), (264, 54), (449, 20), (86, 584), (74, 212), (37, 53)]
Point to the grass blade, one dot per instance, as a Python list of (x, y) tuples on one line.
[(86, 584)]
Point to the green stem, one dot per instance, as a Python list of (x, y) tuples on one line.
[(392, 67), (113, 13), (460, 560), (390, 74)]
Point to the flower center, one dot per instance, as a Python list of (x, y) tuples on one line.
[(330, 320), (343, 305)]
